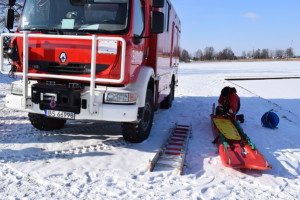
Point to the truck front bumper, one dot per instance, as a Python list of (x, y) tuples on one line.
[(101, 111)]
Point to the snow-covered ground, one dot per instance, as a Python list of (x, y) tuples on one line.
[(90, 160)]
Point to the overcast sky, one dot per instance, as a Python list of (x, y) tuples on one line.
[(243, 25)]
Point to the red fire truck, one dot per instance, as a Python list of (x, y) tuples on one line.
[(109, 60)]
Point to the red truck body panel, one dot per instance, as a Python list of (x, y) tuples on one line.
[(44, 57)]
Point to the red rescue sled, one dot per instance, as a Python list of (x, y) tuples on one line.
[(238, 151)]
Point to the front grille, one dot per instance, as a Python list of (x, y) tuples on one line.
[(70, 69)]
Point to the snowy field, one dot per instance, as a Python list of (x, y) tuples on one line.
[(90, 160)]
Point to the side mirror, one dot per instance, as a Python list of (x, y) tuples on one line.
[(157, 22), (11, 3), (9, 19), (137, 39), (158, 3)]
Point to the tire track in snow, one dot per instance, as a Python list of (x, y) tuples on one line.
[(65, 153), (28, 131), (13, 141)]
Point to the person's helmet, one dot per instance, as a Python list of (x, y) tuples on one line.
[(225, 91), (270, 120)]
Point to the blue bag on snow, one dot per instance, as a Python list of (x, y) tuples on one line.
[(270, 120)]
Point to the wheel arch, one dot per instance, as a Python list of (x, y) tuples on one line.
[(144, 81)]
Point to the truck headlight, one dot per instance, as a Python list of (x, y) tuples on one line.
[(16, 89), (115, 97)]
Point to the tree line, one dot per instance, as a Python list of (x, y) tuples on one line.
[(209, 53)]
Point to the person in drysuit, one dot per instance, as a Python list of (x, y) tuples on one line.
[(229, 102)]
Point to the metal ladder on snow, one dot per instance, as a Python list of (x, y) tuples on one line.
[(173, 151)]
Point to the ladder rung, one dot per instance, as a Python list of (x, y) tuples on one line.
[(183, 125), (176, 135), (176, 139), (179, 137), (175, 144), (173, 149), (182, 129), (172, 153), (181, 132)]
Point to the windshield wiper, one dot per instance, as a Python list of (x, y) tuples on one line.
[(56, 31), (89, 31), (68, 31), (42, 30)]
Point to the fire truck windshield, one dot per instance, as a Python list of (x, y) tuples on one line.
[(93, 16)]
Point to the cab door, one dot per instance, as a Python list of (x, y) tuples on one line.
[(139, 44)]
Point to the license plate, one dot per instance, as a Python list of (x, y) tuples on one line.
[(60, 114)]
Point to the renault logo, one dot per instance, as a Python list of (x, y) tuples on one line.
[(63, 57)]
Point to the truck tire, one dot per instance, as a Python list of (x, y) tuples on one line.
[(168, 101), (44, 123), (139, 131)]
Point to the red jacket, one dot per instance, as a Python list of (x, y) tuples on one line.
[(231, 103)]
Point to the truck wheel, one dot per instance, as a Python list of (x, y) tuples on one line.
[(167, 102), (138, 132), (44, 123)]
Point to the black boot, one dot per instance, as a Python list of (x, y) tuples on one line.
[(240, 118)]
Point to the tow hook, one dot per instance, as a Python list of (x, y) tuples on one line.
[(52, 103)]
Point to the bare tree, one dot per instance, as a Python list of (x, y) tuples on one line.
[(198, 55), (279, 53), (289, 52), (265, 54), (226, 54), (256, 54), (209, 53), (184, 55)]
